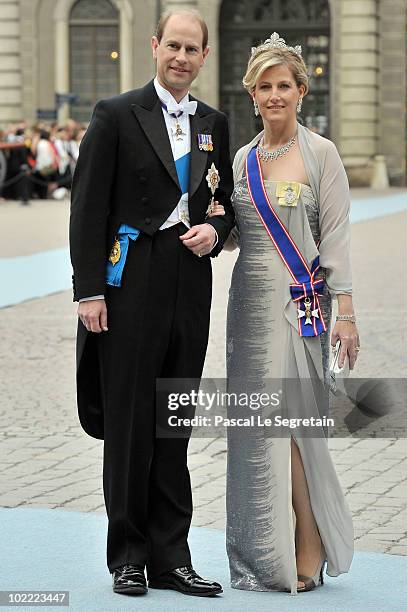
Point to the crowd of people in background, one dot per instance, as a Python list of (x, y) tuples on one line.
[(39, 159)]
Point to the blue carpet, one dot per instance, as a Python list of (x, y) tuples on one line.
[(33, 276), (63, 550), (364, 209)]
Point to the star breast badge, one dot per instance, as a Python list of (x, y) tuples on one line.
[(213, 180)]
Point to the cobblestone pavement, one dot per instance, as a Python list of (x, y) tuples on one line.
[(47, 460)]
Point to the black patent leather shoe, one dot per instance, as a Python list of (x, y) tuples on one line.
[(129, 580), (185, 580)]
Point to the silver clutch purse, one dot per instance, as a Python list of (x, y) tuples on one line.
[(337, 374)]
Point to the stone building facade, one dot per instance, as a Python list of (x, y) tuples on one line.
[(356, 51)]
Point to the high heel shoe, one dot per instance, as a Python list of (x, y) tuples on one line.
[(311, 582)]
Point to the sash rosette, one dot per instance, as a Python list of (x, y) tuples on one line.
[(306, 288)]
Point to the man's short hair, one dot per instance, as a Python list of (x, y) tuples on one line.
[(192, 13)]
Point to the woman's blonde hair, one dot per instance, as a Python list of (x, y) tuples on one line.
[(259, 62)]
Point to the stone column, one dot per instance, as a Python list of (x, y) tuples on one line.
[(393, 87), (145, 20), (208, 80), (172, 5), (126, 45), (29, 58), (62, 62), (10, 62), (334, 65), (358, 87)]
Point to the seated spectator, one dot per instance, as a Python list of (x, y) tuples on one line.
[(16, 157), (63, 145), (45, 160), (46, 164), (76, 141)]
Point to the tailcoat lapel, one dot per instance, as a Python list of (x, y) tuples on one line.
[(148, 111)]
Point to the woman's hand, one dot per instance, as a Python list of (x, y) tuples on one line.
[(347, 333), (217, 210)]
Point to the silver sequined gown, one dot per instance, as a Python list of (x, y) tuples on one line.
[(262, 344)]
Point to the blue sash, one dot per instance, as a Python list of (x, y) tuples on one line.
[(114, 271), (305, 289), (182, 165)]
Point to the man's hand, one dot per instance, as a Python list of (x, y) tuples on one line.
[(93, 315), (200, 239)]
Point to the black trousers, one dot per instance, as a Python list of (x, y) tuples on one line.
[(158, 327)]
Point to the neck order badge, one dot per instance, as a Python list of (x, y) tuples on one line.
[(177, 130), (176, 112)]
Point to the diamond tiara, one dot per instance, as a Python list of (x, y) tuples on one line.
[(277, 43)]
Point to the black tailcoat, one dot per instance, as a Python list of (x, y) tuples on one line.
[(126, 174), (158, 319)]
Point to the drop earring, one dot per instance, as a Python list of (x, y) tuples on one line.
[(256, 108), (299, 105)]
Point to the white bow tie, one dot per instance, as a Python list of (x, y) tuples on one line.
[(185, 107)]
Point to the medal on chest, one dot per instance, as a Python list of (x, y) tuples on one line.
[(288, 193)]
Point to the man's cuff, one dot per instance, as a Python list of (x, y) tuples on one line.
[(216, 236), (93, 297), (216, 239)]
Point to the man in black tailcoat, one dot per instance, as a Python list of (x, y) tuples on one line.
[(139, 205)]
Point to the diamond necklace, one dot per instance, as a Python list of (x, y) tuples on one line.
[(271, 155)]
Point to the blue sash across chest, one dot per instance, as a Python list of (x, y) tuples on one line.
[(306, 288)]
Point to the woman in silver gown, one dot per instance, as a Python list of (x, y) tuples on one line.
[(286, 513)]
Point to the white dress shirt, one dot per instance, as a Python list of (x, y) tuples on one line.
[(179, 147)]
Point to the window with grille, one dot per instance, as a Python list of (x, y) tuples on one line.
[(94, 54)]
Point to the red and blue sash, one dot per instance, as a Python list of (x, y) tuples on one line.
[(306, 288)]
